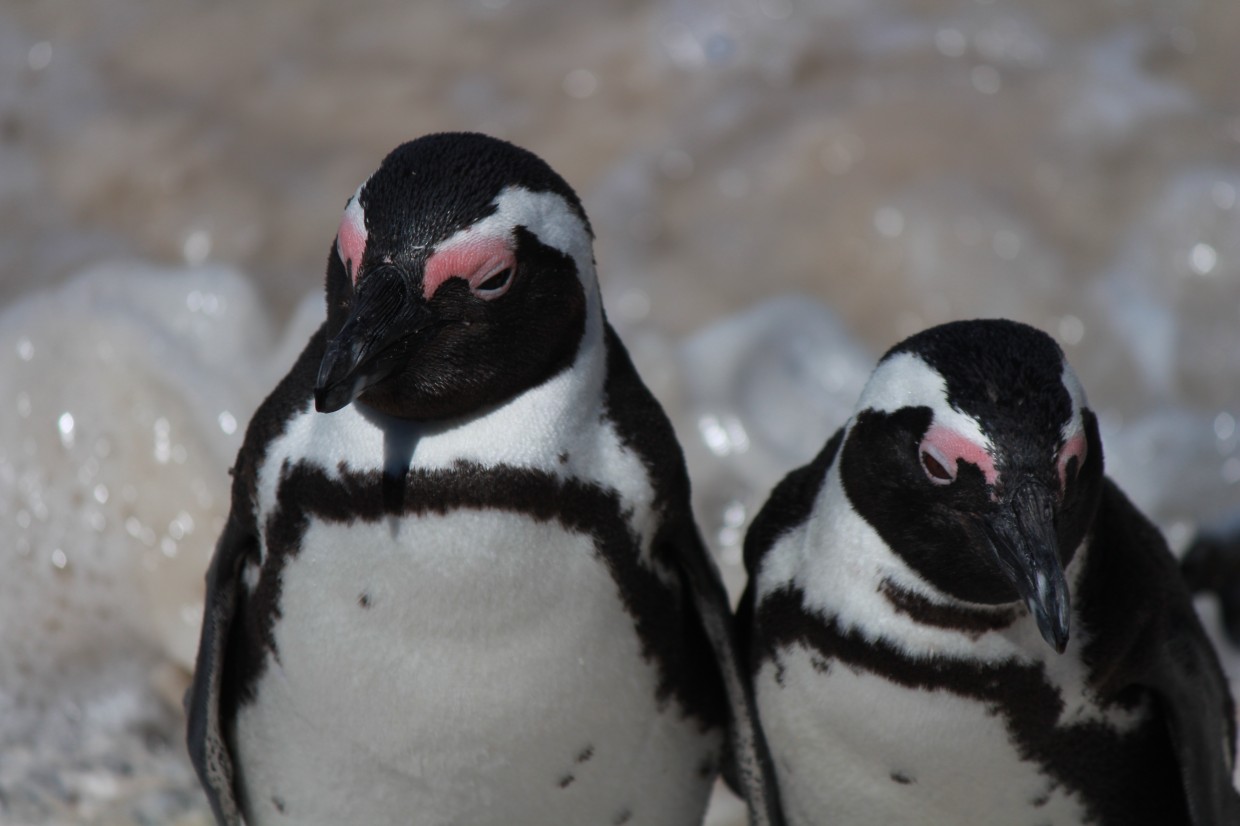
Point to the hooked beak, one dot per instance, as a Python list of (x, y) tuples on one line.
[(1022, 538), (386, 312)]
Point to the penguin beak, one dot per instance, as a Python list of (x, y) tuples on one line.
[(373, 342), (1022, 538)]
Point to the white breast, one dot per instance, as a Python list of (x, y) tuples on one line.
[(853, 748), (475, 668)]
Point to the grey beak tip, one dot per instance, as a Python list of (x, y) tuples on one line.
[(330, 396), (331, 388), (323, 403), (1060, 644), (1055, 630)]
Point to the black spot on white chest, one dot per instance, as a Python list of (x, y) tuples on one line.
[(532, 527), (442, 605), (452, 659)]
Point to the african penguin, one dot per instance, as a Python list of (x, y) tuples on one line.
[(953, 617), (460, 582)]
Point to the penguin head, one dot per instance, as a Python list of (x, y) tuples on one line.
[(973, 455), (462, 274)]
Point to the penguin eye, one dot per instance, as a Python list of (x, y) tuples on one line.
[(942, 450), (1071, 460), (491, 281), (495, 282), (936, 470), (486, 264)]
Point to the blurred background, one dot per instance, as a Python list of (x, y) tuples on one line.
[(781, 189)]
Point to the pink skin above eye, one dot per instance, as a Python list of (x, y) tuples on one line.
[(473, 259), (351, 239), (1074, 448), (946, 447)]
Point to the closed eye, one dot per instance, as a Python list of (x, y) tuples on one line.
[(942, 450), (935, 470), (496, 282), (1071, 460), (487, 264)]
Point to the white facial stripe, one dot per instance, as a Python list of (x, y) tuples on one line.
[(1073, 432), (1072, 384), (904, 380), (547, 215)]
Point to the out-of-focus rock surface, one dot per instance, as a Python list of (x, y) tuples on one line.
[(781, 189)]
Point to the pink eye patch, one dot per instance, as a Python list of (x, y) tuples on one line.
[(1074, 448), (942, 448), (477, 260), (351, 239)]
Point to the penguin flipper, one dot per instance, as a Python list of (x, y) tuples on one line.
[(1170, 655), (748, 766), (742, 632), (208, 749), (645, 428), (1193, 699), (744, 625)]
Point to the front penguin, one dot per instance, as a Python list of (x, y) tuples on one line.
[(460, 581), (954, 617)]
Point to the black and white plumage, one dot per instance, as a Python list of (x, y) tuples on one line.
[(953, 617), (460, 581)]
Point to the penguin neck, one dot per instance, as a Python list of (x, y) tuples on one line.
[(530, 429), (847, 570), (892, 584)]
